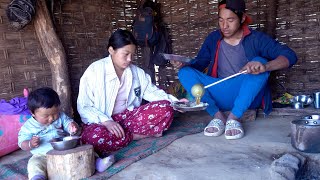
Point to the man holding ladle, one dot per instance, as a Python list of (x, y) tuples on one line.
[(225, 52)]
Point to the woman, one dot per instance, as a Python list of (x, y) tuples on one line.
[(109, 102)]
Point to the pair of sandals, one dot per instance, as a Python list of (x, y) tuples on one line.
[(230, 125)]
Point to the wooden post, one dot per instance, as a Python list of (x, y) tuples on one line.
[(72, 164), (271, 17), (54, 51)]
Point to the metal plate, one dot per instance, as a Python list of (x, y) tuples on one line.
[(189, 106), (175, 57)]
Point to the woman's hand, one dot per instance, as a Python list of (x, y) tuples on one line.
[(254, 67), (115, 128), (73, 128), (182, 100), (176, 64)]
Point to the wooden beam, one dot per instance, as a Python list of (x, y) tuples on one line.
[(55, 53), (288, 111)]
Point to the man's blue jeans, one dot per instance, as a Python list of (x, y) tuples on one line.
[(237, 94)]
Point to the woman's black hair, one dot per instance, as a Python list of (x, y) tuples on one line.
[(43, 98), (121, 38)]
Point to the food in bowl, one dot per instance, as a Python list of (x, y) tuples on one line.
[(65, 143)]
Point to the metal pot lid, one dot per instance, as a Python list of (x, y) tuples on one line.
[(306, 122), (312, 117)]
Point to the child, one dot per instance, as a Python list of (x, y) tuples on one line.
[(46, 123)]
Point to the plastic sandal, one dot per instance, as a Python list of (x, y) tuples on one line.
[(217, 123), (236, 125)]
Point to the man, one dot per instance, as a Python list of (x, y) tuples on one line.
[(231, 49)]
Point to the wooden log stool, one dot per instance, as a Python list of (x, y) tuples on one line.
[(72, 164)]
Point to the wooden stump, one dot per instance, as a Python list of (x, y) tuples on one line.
[(72, 164)]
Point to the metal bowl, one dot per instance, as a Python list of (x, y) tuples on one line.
[(65, 143), (297, 105), (304, 99)]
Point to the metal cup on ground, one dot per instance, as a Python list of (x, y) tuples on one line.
[(316, 101)]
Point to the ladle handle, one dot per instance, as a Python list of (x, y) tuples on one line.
[(234, 75)]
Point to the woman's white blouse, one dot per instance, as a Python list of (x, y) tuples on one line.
[(99, 87)]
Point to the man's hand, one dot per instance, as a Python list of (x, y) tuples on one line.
[(115, 128), (254, 67)]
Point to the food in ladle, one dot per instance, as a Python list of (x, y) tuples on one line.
[(197, 91)]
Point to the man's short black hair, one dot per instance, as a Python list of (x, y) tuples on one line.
[(236, 6), (43, 98)]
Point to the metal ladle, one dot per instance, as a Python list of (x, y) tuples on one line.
[(197, 90)]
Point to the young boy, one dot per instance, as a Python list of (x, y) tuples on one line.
[(46, 123)]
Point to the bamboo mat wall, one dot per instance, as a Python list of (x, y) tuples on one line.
[(85, 26), (298, 26), (22, 62)]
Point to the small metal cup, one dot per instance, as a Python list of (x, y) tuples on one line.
[(316, 101)]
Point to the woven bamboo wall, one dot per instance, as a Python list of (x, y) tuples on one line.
[(298, 26), (22, 62), (84, 27)]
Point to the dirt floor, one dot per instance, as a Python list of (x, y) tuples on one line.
[(199, 157)]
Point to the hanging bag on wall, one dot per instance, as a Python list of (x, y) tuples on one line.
[(144, 28), (20, 13), (163, 46), (150, 31)]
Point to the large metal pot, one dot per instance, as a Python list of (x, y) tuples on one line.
[(305, 134)]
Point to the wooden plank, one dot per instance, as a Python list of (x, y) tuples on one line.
[(288, 111)]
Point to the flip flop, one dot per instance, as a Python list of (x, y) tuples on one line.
[(236, 125), (216, 123)]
